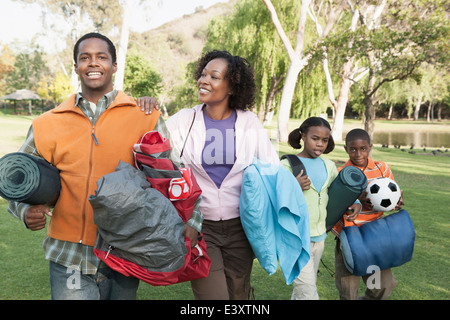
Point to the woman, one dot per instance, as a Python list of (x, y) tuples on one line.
[(218, 139)]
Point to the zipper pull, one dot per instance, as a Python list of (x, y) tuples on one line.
[(109, 250), (94, 137)]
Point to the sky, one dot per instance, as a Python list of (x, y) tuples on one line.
[(20, 22)]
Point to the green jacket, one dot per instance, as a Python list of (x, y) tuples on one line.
[(317, 202)]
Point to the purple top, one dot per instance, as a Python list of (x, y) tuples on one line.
[(219, 152)]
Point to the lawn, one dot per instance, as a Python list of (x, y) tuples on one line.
[(425, 181)]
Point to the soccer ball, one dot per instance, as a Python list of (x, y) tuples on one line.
[(383, 193)]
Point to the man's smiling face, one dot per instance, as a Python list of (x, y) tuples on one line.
[(95, 67)]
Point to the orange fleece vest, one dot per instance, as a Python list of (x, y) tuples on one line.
[(64, 137)]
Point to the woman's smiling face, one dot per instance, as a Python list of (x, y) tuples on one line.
[(213, 86)]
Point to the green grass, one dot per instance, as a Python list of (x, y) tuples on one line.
[(425, 181)]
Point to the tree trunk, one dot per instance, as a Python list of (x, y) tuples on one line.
[(286, 99), (296, 65), (429, 112), (369, 116), (341, 103), (417, 109), (389, 117), (123, 46), (270, 100), (432, 112)]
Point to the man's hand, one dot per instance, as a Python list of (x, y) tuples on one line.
[(147, 104), (191, 233), (35, 217)]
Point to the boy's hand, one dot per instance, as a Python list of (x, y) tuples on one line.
[(365, 201), (147, 104), (400, 202), (304, 181), (352, 212)]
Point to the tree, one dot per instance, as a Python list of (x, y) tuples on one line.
[(6, 66), (140, 79), (297, 63), (349, 69), (393, 40), (296, 58), (258, 43), (82, 16), (435, 86), (123, 45), (55, 88), (29, 67)]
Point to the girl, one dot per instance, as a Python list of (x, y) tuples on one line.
[(317, 140)]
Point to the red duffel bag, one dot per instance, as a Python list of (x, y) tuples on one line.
[(151, 154)]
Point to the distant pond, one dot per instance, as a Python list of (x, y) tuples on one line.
[(434, 139), (419, 139)]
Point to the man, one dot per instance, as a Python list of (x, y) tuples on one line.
[(85, 138)]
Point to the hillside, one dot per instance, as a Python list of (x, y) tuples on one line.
[(175, 44)]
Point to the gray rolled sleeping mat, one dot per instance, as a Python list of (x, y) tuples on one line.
[(29, 179)]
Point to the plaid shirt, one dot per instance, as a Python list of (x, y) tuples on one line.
[(77, 255)]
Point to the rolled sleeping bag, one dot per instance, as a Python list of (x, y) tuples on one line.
[(384, 243), (29, 179), (350, 183)]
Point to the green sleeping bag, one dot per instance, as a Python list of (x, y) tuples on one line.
[(350, 183), (28, 179)]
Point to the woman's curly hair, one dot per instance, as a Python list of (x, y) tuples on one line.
[(240, 75)]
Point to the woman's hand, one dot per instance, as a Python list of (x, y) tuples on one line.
[(147, 104), (191, 233)]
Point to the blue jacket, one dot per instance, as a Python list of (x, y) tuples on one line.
[(275, 218)]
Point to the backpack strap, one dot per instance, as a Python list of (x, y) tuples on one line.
[(185, 140), (296, 164)]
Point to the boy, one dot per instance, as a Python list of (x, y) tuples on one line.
[(358, 146)]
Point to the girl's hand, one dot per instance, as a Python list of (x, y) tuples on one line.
[(352, 212), (304, 181), (147, 104)]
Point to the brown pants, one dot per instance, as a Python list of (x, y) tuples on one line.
[(231, 262), (348, 284)]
